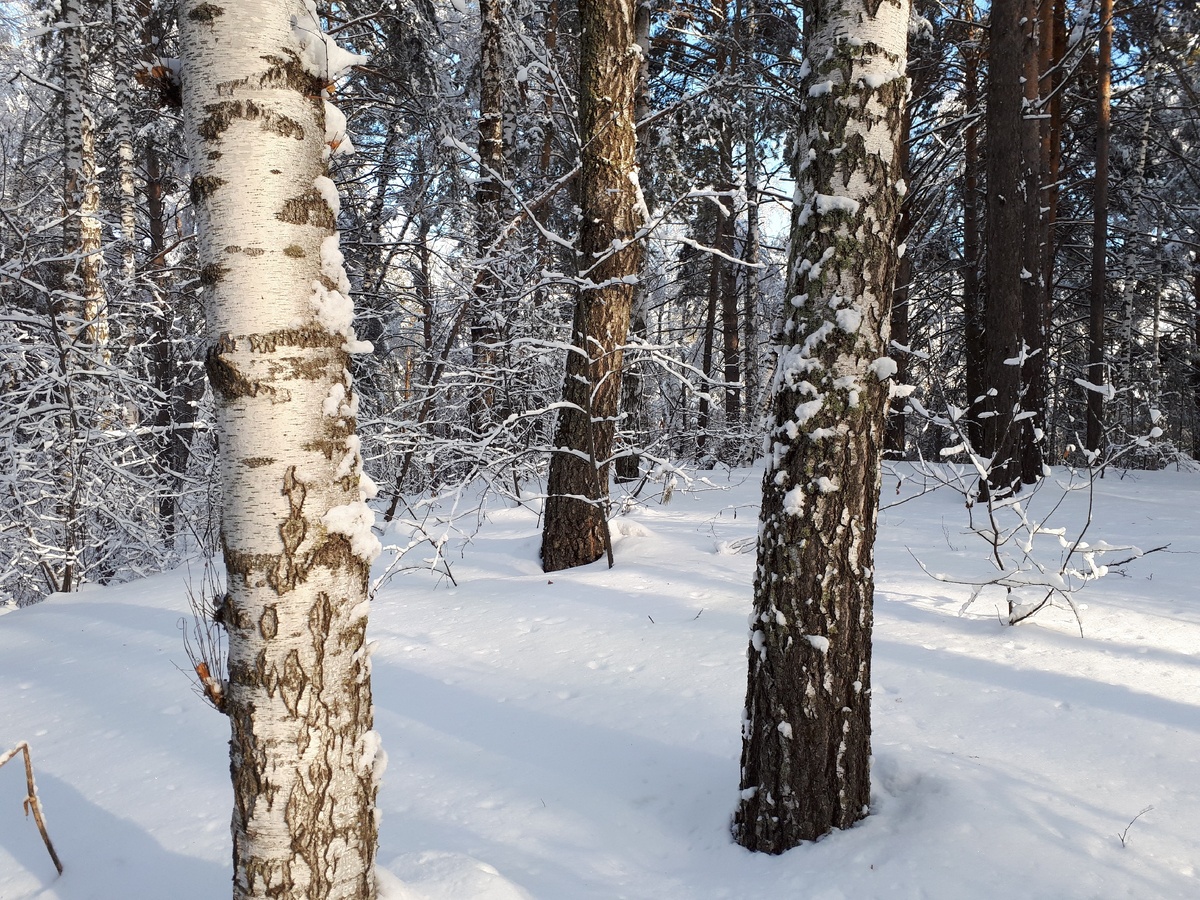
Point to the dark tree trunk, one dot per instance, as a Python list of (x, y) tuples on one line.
[(806, 725), (1196, 360), (1035, 161), (628, 466), (575, 531), (973, 299), (704, 413), (489, 206), (747, 34), (895, 434), (1012, 40), (1055, 38), (1095, 369), (726, 230), (751, 251)]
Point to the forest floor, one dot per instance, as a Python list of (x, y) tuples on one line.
[(575, 736)]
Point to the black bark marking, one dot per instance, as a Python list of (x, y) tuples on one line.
[(309, 338), (230, 384), (268, 623), (212, 273), (288, 72), (291, 569), (257, 462), (220, 116), (309, 208), (293, 682), (295, 251), (206, 13), (203, 186)]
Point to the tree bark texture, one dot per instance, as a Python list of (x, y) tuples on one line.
[(973, 296), (575, 531), (628, 466), (1095, 370), (746, 32), (296, 529), (895, 435), (1033, 291), (489, 209), (84, 300), (806, 725), (1054, 39), (1012, 39)]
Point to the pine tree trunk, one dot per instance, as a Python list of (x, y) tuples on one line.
[(489, 203), (751, 251), (726, 231), (973, 298), (1195, 366), (895, 435), (1095, 369), (628, 466), (295, 526), (708, 340), (1033, 290), (806, 725), (1055, 38), (1010, 43), (575, 531), (746, 33)]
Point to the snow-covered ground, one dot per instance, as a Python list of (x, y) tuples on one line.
[(575, 736)]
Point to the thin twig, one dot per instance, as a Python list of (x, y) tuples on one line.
[(32, 803), (1124, 835)]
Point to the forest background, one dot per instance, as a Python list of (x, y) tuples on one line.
[(458, 224)]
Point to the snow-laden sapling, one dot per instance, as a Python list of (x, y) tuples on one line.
[(1037, 562)]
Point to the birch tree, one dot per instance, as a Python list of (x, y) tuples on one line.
[(296, 529), (806, 723)]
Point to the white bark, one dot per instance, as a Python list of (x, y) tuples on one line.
[(295, 527), (85, 302)]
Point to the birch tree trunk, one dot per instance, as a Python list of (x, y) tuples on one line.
[(806, 726), (576, 527), (82, 231), (295, 526)]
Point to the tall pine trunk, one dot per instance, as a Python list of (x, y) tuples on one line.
[(806, 726), (973, 294), (575, 530), (295, 527), (1094, 438), (1011, 41), (489, 207), (1034, 162)]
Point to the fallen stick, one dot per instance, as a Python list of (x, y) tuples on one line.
[(32, 804)]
